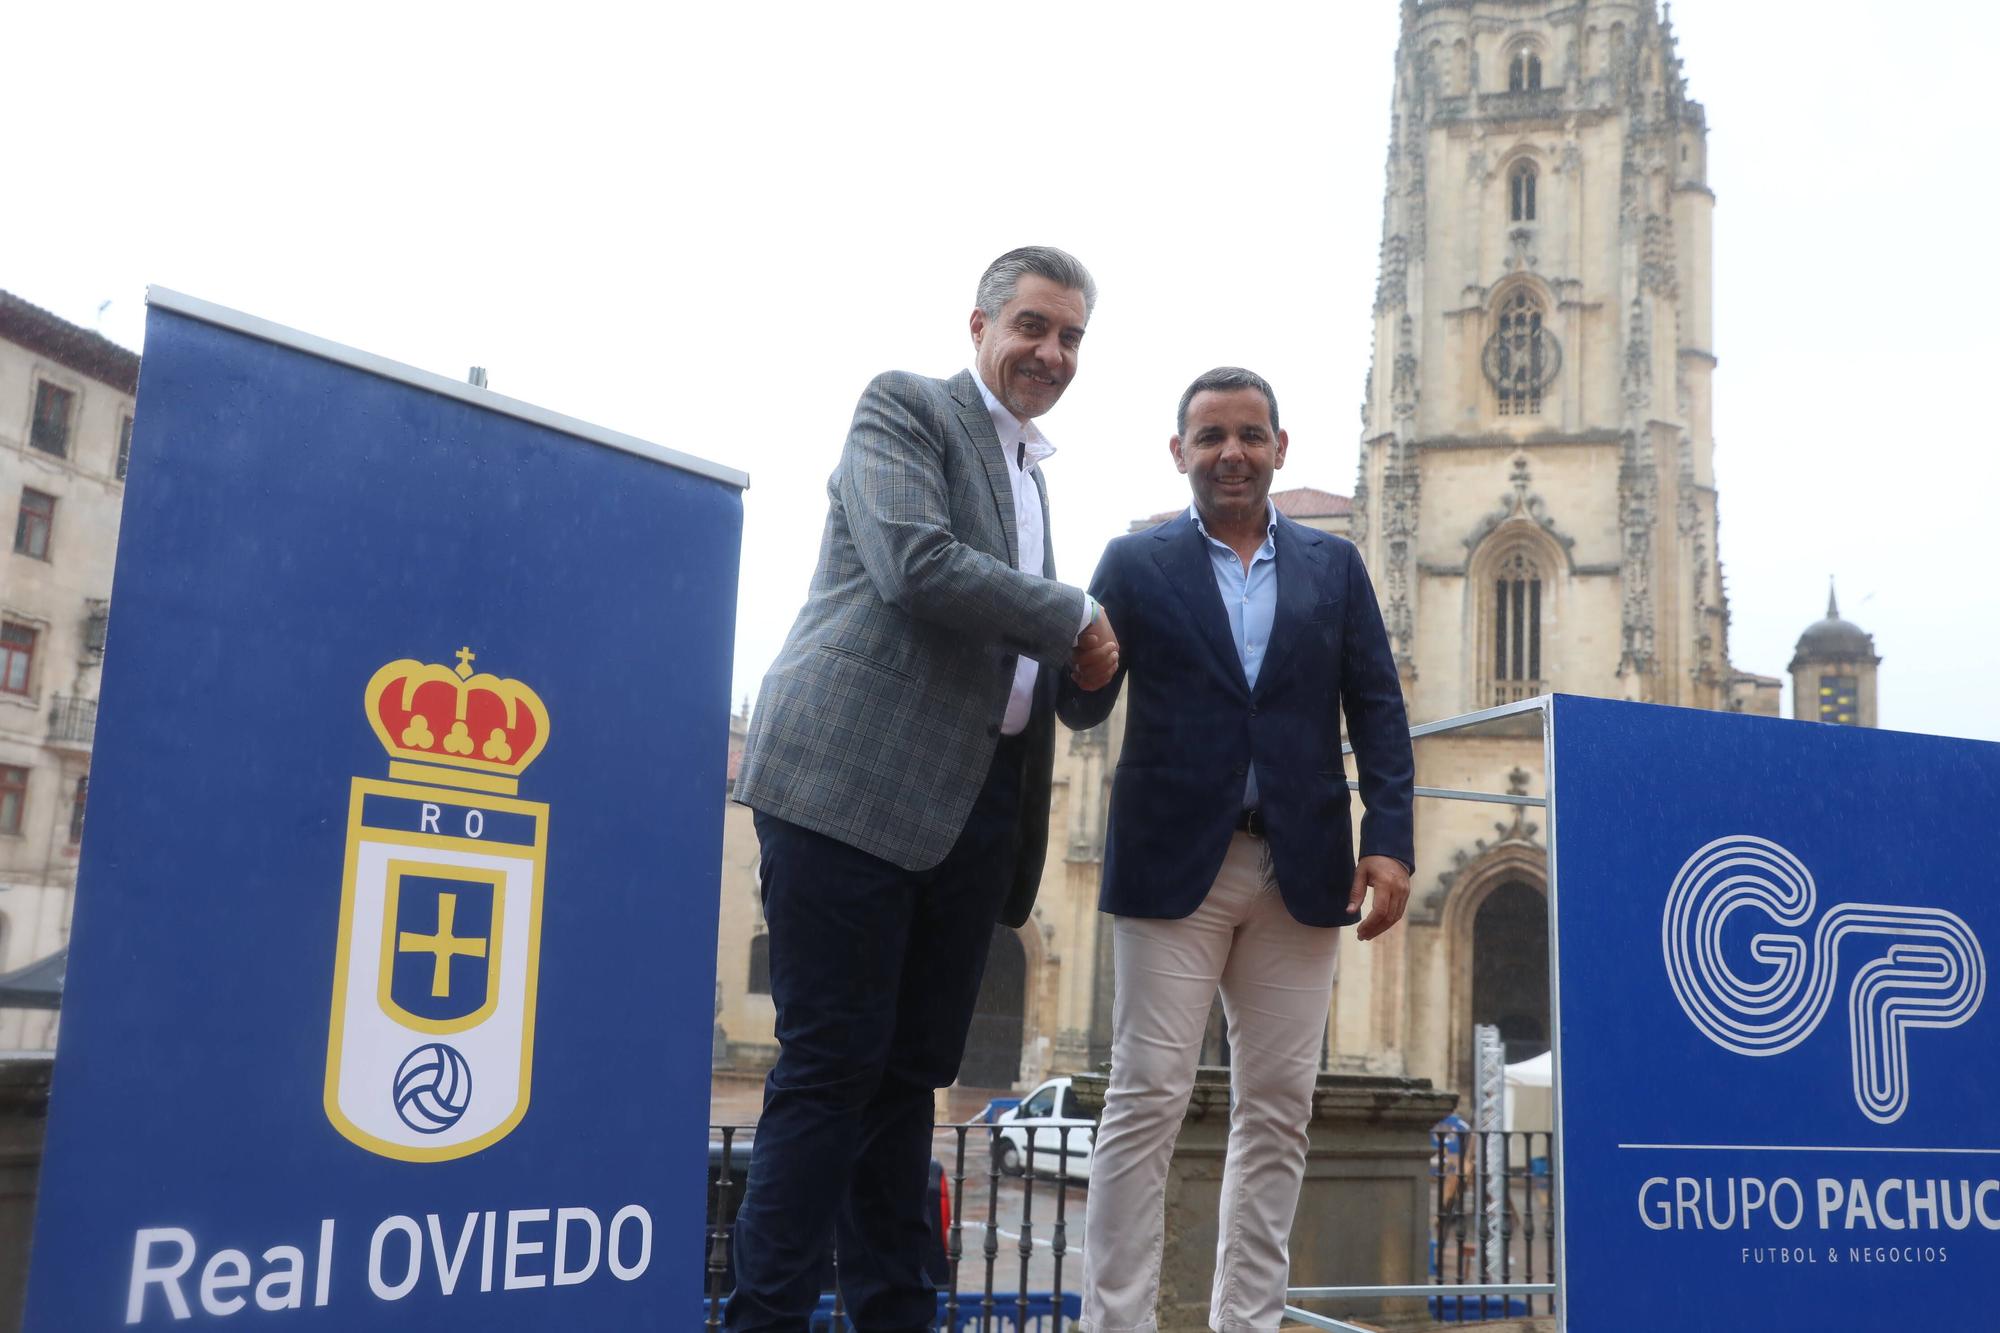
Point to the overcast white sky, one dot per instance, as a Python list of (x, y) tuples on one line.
[(711, 226)]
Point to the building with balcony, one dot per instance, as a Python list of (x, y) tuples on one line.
[(66, 403)]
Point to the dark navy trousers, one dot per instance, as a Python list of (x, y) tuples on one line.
[(874, 973)]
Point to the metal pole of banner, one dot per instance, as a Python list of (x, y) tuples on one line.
[(1559, 1178), (1490, 1122), (1312, 1320), (1321, 1321), (1494, 1184), (1423, 1289)]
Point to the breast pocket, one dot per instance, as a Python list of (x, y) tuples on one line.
[(848, 655)]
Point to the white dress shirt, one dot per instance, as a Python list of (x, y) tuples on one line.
[(1023, 446)]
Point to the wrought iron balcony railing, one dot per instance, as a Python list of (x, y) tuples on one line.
[(72, 721), (1514, 691)]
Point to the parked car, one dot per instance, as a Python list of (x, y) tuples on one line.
[(722, 1206), (1045, 1114)]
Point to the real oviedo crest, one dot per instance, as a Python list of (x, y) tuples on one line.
[(431, 1043)]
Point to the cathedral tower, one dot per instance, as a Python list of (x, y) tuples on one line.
[(1536, 495), (1537, 467)]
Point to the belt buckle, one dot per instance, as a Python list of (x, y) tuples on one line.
[(1252, 823)]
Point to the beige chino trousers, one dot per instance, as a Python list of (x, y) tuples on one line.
[(1276, 979)]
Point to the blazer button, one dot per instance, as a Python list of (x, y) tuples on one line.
[(1241, 769), (1253, 712), (993, 728)]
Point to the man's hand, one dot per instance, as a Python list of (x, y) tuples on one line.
[(1096, 658), (1392, 893)]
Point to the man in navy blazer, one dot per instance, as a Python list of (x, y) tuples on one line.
[(1230, 859)]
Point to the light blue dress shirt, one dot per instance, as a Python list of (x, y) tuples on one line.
[(1250, 597)]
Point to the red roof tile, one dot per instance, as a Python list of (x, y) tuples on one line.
[(1299, 502)]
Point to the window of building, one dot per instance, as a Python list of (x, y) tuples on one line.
[(1522, 357), (76, 810), (124, 462), (1517, 629), (1838, 696), (35, 524), (96, 618), (17, 657), (13, 796), (760, 965), (50, 432), (1521, 192), (1525, 74)]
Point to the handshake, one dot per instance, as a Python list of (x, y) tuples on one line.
[(1095, 659)]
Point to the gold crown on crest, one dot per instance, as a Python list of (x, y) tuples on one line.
[(487, 728)]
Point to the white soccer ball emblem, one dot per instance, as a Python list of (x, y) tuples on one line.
[(433, 1088)]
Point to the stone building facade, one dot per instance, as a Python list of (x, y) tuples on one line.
[(1536, 495), (66, 403)]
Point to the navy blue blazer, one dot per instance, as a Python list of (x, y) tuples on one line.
[(1194, 725)]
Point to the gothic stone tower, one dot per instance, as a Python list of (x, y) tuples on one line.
[(1536, 496)]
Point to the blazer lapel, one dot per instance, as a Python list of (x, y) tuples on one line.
[(972, 414), (1301, 571), (1182, 556)]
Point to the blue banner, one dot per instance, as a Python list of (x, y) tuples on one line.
[(391, 980), (1776, 1053)]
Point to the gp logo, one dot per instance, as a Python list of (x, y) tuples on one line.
[(1927, 972)]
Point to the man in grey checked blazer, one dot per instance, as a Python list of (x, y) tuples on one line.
[(898, 763)]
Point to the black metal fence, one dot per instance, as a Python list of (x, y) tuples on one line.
[(1011, 1278), (1493, 1207), (1495, 1219)]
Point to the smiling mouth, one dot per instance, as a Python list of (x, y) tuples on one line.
[(1048, 380)]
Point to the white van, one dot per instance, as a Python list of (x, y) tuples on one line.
[(1049, 1113)]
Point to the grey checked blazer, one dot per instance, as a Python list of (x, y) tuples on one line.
[(877, 723)]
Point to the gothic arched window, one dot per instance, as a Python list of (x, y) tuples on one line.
[(1521, 192), (1517, 629), (1525, 74), (759, 982), (1522, 356)]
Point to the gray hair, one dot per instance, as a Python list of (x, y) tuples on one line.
[(1002, 280), (1224, 379)]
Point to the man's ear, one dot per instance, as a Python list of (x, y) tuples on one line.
[(1174, 448), (978, 325), (1284, 442)]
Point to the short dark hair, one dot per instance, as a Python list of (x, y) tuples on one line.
[(1002, 279), (1224, 379)]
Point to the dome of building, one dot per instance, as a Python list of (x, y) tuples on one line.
[(1834, 638)]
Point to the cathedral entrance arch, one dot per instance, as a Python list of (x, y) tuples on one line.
[(1495, 927), (1510, 968), (993, 1045)]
